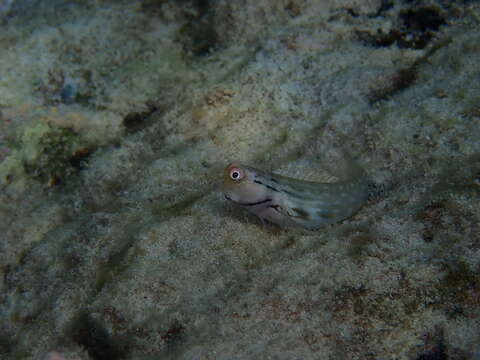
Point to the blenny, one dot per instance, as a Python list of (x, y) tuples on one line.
[(292, 202)]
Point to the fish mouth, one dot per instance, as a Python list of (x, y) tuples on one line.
[(248, 204)]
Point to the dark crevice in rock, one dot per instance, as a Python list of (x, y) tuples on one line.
[(417, 27), (137, 121), (200, 36), (93, 337)]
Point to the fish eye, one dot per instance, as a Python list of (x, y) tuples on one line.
[(236, 174)]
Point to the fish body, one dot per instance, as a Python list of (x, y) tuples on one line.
[(292, 202)]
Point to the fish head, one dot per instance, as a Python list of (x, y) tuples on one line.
[(239, 185)]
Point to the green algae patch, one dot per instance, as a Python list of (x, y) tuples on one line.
[(45, 153), (12, 170)]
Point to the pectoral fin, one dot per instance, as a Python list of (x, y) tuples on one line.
[(298, 213), (292, 212)]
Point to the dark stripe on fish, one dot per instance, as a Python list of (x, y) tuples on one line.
[(266, 185), (249, 204)]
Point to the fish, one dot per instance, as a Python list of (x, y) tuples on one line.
[(293, 202)]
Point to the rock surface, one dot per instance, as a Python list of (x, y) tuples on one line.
[(117, 118)]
